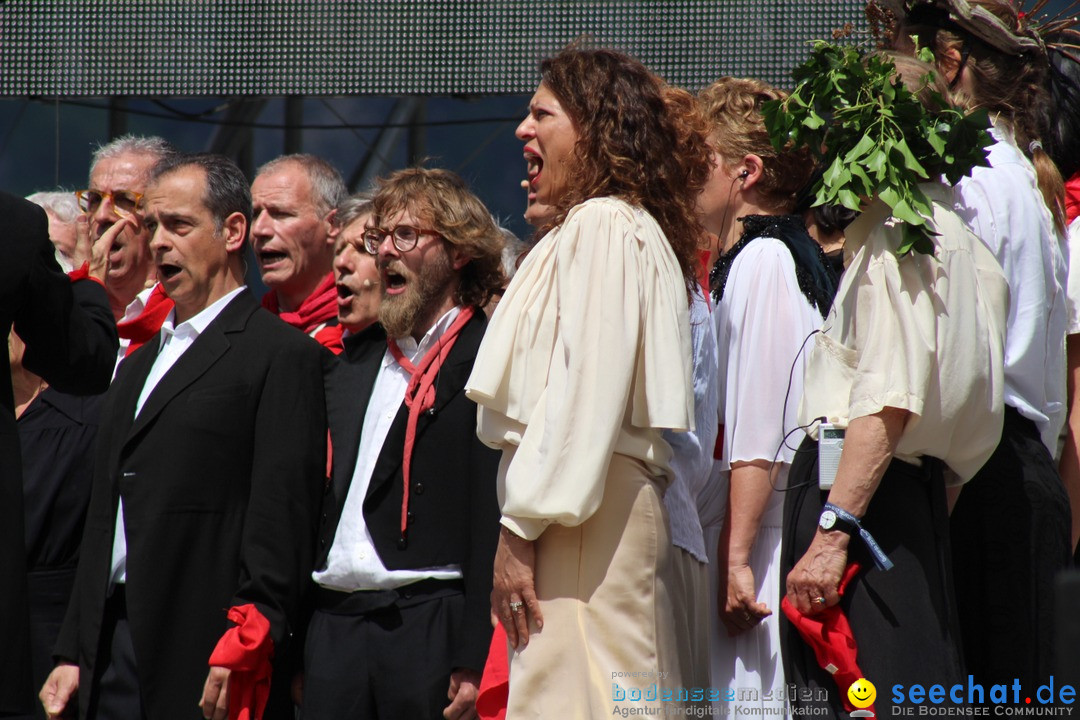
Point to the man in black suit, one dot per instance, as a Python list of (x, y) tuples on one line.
[(71, 342), (410, 520), (207, 476)]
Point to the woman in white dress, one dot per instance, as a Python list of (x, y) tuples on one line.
[(771, 287), (585, 363)]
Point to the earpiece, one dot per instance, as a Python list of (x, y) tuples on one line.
[(744, 174)]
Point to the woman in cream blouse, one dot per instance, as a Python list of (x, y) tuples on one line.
[(586, 361), (910, 361)]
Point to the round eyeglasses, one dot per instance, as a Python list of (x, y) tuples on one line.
[(404, 237)]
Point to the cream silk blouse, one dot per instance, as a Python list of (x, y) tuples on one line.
[(922, 333), (588, 354)]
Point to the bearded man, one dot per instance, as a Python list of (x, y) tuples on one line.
[(410, 520)]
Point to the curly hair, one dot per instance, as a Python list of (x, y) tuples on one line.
[(441, 200), (733, 108), (632, 144), (1014, 86)]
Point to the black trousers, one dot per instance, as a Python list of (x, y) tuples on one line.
[(382, 655), (903, 619), (115, 694), (1010, 538)]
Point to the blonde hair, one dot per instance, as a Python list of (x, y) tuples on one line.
[(733, 109)]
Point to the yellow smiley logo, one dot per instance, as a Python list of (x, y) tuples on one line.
[(862, 693)]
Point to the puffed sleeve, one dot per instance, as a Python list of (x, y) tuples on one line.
[(621, 356)]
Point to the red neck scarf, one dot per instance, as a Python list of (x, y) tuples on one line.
[(330, 338), (420, 394), (1072, 198), (147, 324), (316, 309)]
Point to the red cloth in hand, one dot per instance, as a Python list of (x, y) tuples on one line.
[(246, 650), (495, 683), (148, 323), (829, 634), (317, 308)]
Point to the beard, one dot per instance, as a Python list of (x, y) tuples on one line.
[(402, 314)]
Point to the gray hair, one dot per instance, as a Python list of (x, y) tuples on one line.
[(514, 248), (326, 182), (354, 207), (60, 203), (154, 146)]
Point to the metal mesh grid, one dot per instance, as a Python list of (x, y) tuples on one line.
[(385, 47)]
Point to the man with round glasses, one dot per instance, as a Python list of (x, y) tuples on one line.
[(118, 244), (410, 520)]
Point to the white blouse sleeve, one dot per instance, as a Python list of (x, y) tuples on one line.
[(768, 321), (604, 279)]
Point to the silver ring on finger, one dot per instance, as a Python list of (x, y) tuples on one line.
[(516, 606)]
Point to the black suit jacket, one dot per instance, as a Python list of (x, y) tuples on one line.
[(71, 341), (220, 474), (454, 513)]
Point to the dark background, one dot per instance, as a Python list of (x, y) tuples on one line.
[(371, 85)]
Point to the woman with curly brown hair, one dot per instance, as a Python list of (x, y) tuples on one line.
[(1010, 526), (585, 363)]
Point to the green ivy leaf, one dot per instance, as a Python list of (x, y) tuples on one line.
[(872, 134)]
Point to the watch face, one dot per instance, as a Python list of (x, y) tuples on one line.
[(827, 520)]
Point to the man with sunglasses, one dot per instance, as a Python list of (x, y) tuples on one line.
[(114, 238), (410, 519)]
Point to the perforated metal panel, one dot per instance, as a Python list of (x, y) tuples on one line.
[(278, 47)]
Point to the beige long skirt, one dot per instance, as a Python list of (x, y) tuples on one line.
[(605, 593)]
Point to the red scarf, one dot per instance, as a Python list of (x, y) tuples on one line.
[(316, 309), (1072, 198), (420, 394), (148, 323), (330, 338), (246, 650)]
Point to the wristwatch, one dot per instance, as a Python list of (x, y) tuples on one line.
[(834, 517), (829, 520)]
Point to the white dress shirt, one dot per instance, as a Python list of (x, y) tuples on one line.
[(133, 310), (172, 343), (1004, 208), (353, 562)]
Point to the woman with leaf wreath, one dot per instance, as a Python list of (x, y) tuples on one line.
[(1010, 525), (908, 363), (771, 287)]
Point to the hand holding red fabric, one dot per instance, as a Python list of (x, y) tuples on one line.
[(246, 650), (829, 633)]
